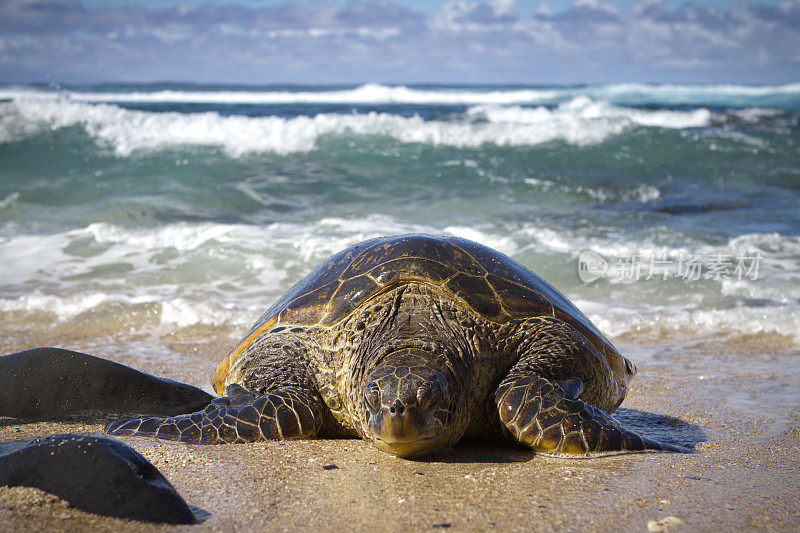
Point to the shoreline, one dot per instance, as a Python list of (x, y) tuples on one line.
[(735, 401)]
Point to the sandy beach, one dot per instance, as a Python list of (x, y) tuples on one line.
[(734, 402)]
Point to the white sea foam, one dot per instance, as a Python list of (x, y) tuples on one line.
[(580, 121), (617, 320), (775, 259), (754, 114), (614, 320), (64, 307), (364, 94), (226, 274), (583, 108), (181, 237), (625, 94), (17, 124), (9, 200), (23, 257), (707, 95), (170, 312), (181, 313), (126, 131), (659, 242)]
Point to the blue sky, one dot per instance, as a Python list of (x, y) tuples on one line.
[(400, 41)]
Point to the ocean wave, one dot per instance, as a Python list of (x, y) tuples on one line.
[(9, 201), (777, 268), (118, 310), (181, 237), (364, 94), (584, 108), (641, 193), (783, 96), (216, 274), (651, 321), (717, 95), (580, 121), (63, 307), (645, 321), (279, 246)]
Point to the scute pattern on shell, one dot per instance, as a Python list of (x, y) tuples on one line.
[(494, 285)]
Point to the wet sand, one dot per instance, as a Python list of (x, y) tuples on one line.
[(735, 402)]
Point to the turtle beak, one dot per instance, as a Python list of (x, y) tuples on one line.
[(400, 429), (406, 449), (397, 423)]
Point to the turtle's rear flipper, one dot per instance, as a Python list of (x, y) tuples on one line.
[(545, 416), (241, 416)]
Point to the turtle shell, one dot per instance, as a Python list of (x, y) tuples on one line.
[(492, 284)]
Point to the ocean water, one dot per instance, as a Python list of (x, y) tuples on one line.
[(658, 209)]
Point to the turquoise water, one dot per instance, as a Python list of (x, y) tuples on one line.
[(203, 204)]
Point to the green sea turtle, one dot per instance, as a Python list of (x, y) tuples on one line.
[(413, 342)]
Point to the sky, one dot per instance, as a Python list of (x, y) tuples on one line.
[(400, 41)]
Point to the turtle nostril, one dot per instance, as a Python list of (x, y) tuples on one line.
[(397, 407)]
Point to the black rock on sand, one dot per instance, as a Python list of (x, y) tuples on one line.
[(96, 474), (55, 384)]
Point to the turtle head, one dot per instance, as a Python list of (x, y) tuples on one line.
[(409, 406)]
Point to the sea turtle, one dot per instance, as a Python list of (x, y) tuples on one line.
[(413, 342)]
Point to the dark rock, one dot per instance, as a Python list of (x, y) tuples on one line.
[(52, 383), (94, 473)]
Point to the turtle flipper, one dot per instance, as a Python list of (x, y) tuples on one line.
[(543, 415), (290, 413)]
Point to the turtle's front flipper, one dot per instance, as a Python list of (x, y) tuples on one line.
[(289, 413), (543, 415)]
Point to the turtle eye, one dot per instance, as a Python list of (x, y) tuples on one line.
[(372, 396), (428, 394)]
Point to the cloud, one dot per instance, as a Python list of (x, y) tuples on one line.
[(503, 7), (465, 41)]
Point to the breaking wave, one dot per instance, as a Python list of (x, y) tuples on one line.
[(214, 274), (627, 94), (580, 121)]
